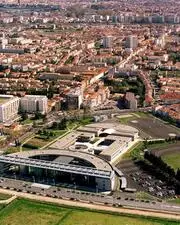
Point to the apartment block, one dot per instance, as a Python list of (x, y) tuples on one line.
[(34, 103), (9, 106)]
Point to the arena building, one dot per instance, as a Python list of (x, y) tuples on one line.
[(63, 166)]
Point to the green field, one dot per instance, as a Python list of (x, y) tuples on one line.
[(25, 212), (41, 140), (133, 116), (4, 196), (177, 200), (172, 160)]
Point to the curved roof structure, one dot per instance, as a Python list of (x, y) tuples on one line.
[(99, 163), (109, 131)]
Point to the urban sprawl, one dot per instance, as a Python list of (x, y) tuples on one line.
[(90, 101)]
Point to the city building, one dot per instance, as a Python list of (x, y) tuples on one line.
[(9, 106), (131, 42), (78, 168), (74, 98), (34, 103), (107, 42), (130, 101)]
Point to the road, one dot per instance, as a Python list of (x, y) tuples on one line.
[(25, 188), (94, 206)]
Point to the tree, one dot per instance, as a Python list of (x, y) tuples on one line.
[(37, 115), (63, 124), (178, 175), (55, 125), (45, 118), (39, 132), (24, 116), (86, 110)]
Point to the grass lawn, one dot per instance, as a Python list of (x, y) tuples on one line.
[(142, 114), (27, 212), (40, 140), (172, 160), (126, 120), (177, 200), (30, 121), (4, 196), (145, 196), (133, 116), (81, 122), (12, 150), (57, 132), (162, 145), (27, 121), (37, 142), (22, 212), (134, 151)]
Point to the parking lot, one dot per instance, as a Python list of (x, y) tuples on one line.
[(143, 181), (151, 127)]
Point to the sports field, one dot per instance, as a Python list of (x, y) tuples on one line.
[(170, 153), (25, 212), (172, 160)]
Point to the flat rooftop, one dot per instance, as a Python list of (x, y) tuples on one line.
[(33, 97), (111, 138), (5, 98)]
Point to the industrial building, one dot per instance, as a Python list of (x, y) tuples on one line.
[(9, 106)]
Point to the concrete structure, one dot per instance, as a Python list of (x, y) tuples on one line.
[(9, 106), (34, 103), (56, 162), (108, 140), (131, 42), (107, 42)]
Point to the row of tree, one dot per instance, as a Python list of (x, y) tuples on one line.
[(61, 125), (158, 162), (163, 171)]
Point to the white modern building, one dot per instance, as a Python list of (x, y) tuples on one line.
[(9, 106), (34, 103)]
